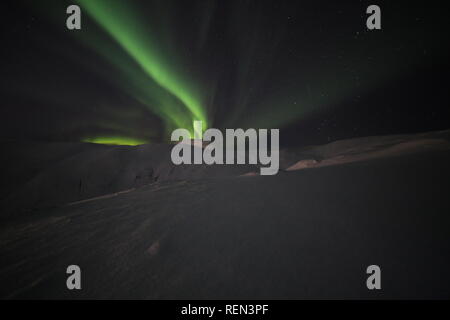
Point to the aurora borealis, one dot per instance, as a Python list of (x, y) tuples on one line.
[(137, 70), (115, 141), (118, 19)]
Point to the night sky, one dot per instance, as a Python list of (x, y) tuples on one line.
[(139, 69)]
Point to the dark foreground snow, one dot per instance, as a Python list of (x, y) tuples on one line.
[(300, 234)]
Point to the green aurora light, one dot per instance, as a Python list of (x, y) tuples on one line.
[(147, 63), (120, 141), (156, 84)]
